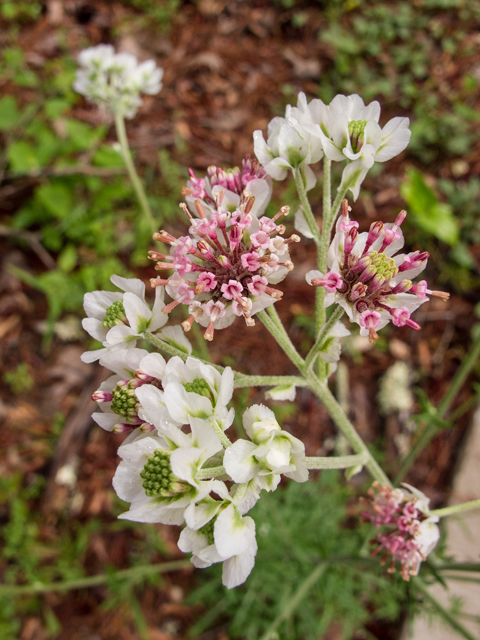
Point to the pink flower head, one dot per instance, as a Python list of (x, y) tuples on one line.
[(227, 259), (407, 532), (372, 284)]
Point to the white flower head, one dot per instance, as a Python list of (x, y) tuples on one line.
[(349, 130), (117, 320), (114, 81), (157, 473), (289, 145), (270, 453), (195, 389)]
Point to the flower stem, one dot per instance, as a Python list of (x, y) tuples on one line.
[(93, 581), (336, 462), (432, 426), (209, 472), (242, 381), (305, 205), (276, 328), (323, 335), (132, 172), (322, 391), (224, 439), (457, 508)]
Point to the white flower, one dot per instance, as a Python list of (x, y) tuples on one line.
[(349, 130), (117, 320), (115, 81), (193, 388), (120, 406), (289, 145), (157, 473), (227, 538), (271, 452), (281, 392)]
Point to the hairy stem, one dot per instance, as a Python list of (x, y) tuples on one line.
[(132, 172), (224, 439), (323, 335), (336, 462), (305, 205), (322, 391), (457, 508), (209, 472), (278, 332)]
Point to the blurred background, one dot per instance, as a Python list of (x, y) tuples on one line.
[(69, 219)]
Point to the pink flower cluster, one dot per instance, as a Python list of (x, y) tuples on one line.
[(225, 267), (365, 278), (407, 531)]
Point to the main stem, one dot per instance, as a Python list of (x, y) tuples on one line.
[(132, 172), (323, 335), (321, 390)]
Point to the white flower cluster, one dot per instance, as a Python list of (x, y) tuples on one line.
[(346, 129), (178, 467), (114, 81)]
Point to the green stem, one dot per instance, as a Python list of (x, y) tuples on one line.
[(458, 508), (336, 462), (93, 581), (320, 314), (241, 491), (170, 350), (305, 205), (322, 391), (209, 472), (220, 433), (278, 332), (432, 428), (292, 604), (132, 172), (323, 335), (242, 381), (445, 613)]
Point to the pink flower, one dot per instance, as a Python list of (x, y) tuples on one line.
[(407, 530), (226, 265), (368, 280)]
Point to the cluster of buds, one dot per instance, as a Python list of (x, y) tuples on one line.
[(407, 530), (365, 278), (114, 81), (226, 265)]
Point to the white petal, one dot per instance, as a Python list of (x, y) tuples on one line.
[(176, 337), (233, 533), (96, 303), (138, 313), (238, 461), (237, 569), (94, 328), (133, 285), (153, 365)]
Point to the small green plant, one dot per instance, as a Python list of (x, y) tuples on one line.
[(19, 380)]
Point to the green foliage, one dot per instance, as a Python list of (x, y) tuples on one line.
[(297, 528), (428, 213), (19, 380), (163, 13)]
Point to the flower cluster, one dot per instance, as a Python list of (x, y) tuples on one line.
[(407, 530), (114, 81), (226, 265), (178, 467), (367, 281), (346, 129)]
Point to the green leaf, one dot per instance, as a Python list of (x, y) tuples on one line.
[(67, 260), (56, 198), (428, 213), (9, 113), (55, 107), (106, 156), (22, 157)]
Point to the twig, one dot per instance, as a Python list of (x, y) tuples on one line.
[(34, 243)]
